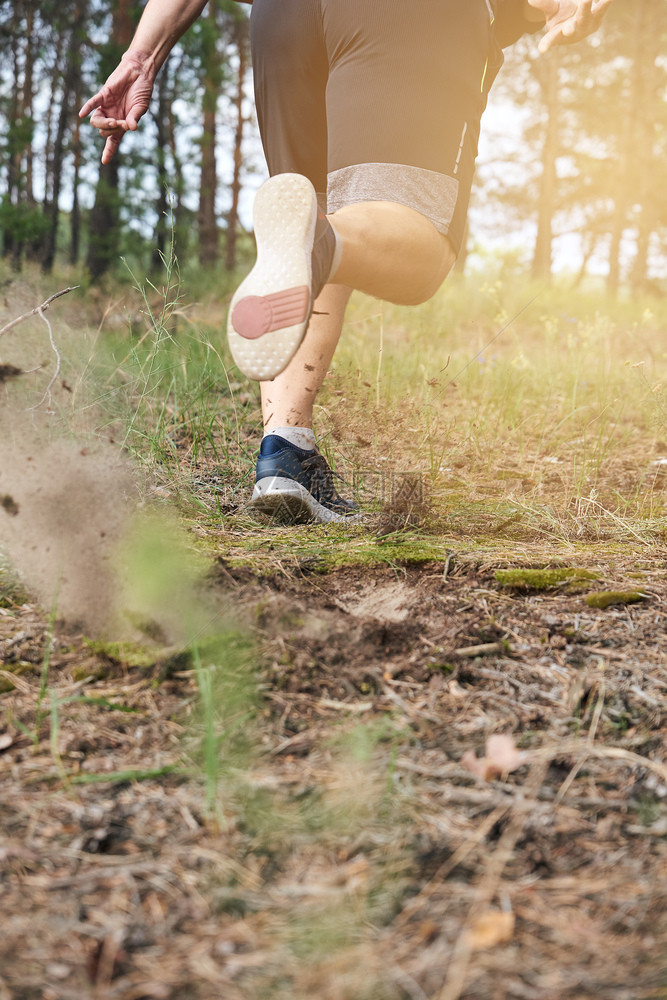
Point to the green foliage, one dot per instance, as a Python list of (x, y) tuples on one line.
[(615, 213), (22, 222), (18, 137), (224, 666), (601, 185), (44, 681)]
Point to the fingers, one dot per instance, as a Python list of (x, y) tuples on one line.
[(547, 42), (106, 123), (132, 120), (113, 129), (121, 102), (110, 147), (582, 22), (113, 136), (91, 104), (101, 121)]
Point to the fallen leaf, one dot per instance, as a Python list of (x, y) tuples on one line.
[(491, 928), (501, 757)]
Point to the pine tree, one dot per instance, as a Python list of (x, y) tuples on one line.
[(592, 143), (20, 218), (241, 46)]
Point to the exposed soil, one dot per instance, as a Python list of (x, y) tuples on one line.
[(354, 855)]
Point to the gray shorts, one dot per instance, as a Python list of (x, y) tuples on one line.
[(376, 100)]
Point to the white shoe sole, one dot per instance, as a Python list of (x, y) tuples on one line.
[(289, 502), (269, 311)]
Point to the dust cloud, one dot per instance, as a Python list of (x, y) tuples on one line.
[(63, 510), (76, 523)]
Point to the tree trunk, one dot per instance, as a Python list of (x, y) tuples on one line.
[(646, 164), (68, 91), (624, 193), (104, 221), (28, 95), (10, 245), (59, 57), (103, 229), (240, 36), (543, 250), (162, 204), (75, 215), (181, 226), (208, 183)]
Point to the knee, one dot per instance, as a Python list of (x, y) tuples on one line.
[(441, 263)]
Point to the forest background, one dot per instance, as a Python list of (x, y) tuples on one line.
[(568, 180)]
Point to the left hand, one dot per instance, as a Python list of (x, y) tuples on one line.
[(569, 20), (122, 101)]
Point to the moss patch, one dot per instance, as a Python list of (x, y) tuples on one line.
[(129, 654), (322, 548), (606, 598), (545, 579)]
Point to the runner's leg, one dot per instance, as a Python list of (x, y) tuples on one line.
[(287, 401), (399, 151), (391, 251)]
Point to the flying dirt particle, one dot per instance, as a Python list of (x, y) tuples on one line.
[(309, 368), (9, 504), (9, 371)]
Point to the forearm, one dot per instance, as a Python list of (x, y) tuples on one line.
[(162, 23)]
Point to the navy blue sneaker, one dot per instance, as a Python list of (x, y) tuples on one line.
[(295, 486)]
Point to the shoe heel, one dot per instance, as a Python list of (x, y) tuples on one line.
[(269, 312)]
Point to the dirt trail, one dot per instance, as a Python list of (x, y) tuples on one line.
[(360, 859)]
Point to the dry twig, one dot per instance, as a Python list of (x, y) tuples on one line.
[(39, 311)]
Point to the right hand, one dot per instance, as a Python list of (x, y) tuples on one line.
[(122, 101), (569, 20)]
